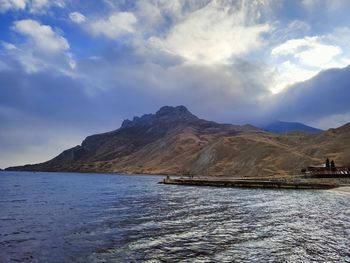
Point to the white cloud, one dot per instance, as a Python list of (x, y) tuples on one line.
[(201, 32), (288, 73), (37, 6), (310, 51), (301, 59), (33, 6), (42, 36), (291, 46), (117, 24), (12, 4), (33, 61), (8, 46), (77, 17), (319, 55), (6, 5), (42, 48), (213, 34)]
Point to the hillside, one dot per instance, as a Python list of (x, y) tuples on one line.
[(174, 141)]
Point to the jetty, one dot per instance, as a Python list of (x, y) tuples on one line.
[(279, 183), (320, 176)]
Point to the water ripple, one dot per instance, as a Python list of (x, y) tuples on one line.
[(104, 218)]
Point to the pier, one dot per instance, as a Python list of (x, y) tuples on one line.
[(250, 183)]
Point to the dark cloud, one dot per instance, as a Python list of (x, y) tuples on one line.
[(326, 94), (48, 110), (45, 110), (140, 85)]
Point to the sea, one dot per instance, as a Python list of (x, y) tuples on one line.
[(73, 217)]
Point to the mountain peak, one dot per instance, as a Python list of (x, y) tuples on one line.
[(164, 114), (177, 112)]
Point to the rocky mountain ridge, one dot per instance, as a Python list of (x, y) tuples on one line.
[(174, 141)]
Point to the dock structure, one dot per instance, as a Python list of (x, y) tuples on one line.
[(320, 176), (250, 183)]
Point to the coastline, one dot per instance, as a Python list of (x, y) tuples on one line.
[(85, 172), (334, 186)]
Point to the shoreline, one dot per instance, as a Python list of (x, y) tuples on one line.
[(233, 182), (81, 172)]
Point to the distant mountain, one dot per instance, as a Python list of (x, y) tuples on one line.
[(283, 126), (174, 141)]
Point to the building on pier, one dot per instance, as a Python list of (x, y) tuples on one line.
[(326, 170)]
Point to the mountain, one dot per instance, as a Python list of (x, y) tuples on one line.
[(283, 126), (174, 141)]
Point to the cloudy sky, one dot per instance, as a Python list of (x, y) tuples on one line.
[(69, 69)]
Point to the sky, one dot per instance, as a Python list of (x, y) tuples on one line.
[(69, 69)]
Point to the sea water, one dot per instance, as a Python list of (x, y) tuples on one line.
[(72, 217)]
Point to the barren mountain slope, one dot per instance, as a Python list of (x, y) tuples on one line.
[(174, 141)]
